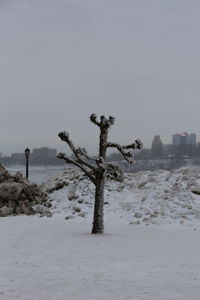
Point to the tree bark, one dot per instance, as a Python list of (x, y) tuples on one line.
[(103, 142), (98, 224)]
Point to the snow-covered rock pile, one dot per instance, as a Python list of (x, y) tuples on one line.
[(70, 193), (19, 196), (157, 197)]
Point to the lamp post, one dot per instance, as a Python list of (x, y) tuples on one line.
[(27, 153)]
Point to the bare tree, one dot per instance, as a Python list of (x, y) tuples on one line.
[(97, 169)]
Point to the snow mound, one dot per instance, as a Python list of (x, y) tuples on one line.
[(158, 197)]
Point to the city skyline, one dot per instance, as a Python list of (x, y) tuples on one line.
[(35, 149)]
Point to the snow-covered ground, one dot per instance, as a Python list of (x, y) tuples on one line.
[(159, 197), (150, 249), (54, 259)]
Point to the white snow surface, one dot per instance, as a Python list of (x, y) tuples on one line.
[(57, 258), (159, 197)]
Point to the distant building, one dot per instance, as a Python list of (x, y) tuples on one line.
[(184, 139), (44, 153), (39, 156), (157, 147), (18, 158)]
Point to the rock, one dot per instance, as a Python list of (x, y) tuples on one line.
[(154, 215), (5, 211), (189, 207), (80, 201), (48, 204), (18, 177), (60, 184), (41, 209), (12, 204), (134, 222), (72, 196), (69, 217), (77, 209), (196, 191), (82, 214), (25, 207), (10, 190), (18, 195), (142, 184), (137, 215), (38, 200)]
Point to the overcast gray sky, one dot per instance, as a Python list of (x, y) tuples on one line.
[(61, 60)]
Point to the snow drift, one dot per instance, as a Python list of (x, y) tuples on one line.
[(54, 258), (158, 197)]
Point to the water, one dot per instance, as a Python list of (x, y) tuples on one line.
[(38, 174)]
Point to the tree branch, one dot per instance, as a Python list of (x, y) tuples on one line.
[(127, 155), (101, 163), (78, 152), (111, 120), (83, 152), (136, 145), (64, 136), (76, 163), (93, 119), (106, 123)]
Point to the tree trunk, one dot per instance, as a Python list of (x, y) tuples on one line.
[(98, 225), (103, 142)]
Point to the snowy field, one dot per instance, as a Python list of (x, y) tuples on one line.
[(150, 249), (51, 258)]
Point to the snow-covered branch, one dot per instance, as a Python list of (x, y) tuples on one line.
[(79, 153), (79, 165), (136, 145), (104, 122), (64, 136), (83, 152), (93, 119), (101, 163), (127, 155)]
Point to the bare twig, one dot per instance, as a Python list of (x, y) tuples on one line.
[(74, 162)]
